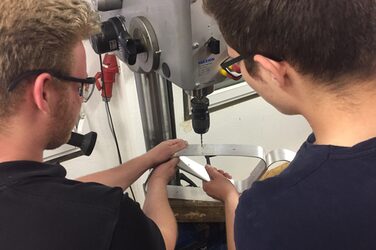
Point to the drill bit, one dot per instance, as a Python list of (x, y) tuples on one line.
[(207, 158), (202, 144)]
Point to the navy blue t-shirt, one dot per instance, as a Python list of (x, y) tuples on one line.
[(40, 209), (325, 199)]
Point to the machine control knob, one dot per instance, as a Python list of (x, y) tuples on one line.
[(130, 47), (200, 115), (214, 45)]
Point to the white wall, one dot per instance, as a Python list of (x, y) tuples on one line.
[(253, 122), (127, 122)]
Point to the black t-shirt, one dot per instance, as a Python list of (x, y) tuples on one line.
[(40, 209), (325, 199)]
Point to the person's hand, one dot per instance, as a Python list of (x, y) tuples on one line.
[(163, 173), (219, 187), (164, 151)]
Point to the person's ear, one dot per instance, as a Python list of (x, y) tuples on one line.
[(41, 92), (277, 70)]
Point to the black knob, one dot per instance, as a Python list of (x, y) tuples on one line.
[(130, 47), (214, 46)]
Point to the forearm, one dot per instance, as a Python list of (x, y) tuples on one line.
[(157, 208), (230, 205), (123, 175)]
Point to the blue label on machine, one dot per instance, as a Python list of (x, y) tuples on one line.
[(206, 60)]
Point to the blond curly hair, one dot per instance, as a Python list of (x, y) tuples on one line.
[(39, 34)]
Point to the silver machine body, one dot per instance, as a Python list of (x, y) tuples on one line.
[(177, 34)]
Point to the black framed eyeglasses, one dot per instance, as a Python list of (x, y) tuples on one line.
[(234, 72), (231, 61), (85, 90), (228, 64)]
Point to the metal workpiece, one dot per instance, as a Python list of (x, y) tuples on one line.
[(278, 155), (212, 150), (222, 150), (194, 168)]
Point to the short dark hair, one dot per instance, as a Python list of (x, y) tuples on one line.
[(329, 40)]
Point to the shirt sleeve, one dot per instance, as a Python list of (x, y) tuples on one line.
[(134, 230)]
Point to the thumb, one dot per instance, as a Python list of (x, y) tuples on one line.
[(174, 161), (211, 172)]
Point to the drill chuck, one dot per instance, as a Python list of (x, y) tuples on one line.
[(200, 115)]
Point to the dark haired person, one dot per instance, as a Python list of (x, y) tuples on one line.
[(42, 75), (317, 59)]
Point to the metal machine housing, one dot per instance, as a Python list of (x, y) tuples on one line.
[(183, 32)]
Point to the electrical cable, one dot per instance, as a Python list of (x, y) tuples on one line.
[(109, 121), (91, 93), (111, 124)]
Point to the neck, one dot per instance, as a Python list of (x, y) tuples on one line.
[(17, 143), (343, 119)]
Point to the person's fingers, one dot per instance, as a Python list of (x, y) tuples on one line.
[(174, 161), (216, 171), (177, 142), (176, 145), (227, 175), (170, 163), (221, 171), (212, 172), (205, 186), (165, 170), (173, 141)]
